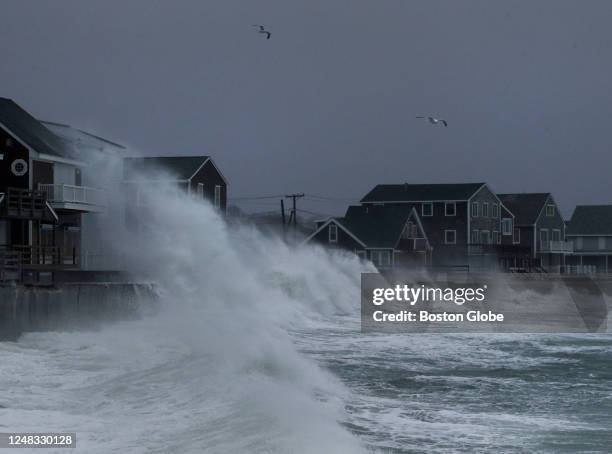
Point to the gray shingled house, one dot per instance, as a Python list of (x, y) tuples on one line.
[(389, 236), (590, 232), (538, 226), (49, 197), (197, 176), (461, 221)]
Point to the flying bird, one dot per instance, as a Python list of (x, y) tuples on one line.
[(435, 121), (263, 31)]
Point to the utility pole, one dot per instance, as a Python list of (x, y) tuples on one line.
[(293, 216), (283, 217)]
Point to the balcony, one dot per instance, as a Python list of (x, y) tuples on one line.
[(500, 250), (75, 198), (19, 203), (556, 247), (412, 245)]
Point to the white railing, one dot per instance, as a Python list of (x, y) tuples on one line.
[(556, 246), (67, 193)]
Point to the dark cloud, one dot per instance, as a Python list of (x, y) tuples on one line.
[(327, 105)]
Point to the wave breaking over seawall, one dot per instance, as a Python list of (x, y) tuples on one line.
[(215, 369)]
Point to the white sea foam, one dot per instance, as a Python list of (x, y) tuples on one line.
[(215, 370)]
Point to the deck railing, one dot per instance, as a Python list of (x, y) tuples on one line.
[(67, 193), (560, 247)]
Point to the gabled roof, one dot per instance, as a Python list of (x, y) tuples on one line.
[(181, 167), (525, 206), (376, 227), (591, 220), (421, 192), (79, 140), (30, 130)]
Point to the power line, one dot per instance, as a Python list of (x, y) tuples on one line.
[(338, 199), (316, 214), (257, 197)]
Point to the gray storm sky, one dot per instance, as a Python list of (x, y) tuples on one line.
[(327, 105)]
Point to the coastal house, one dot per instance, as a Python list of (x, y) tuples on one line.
[(539, 228), (590, 232), (196, 176), (459, 220), (389, 236), (48, 190)]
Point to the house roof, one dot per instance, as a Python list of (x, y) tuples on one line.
[(376, 227), (421, 192), (591, 220), (30, 130), (526, 207), (80, 140), (181, 167)]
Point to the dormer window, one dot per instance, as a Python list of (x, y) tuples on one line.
[(427, 209), (550, 210), (450, 209), (333, 233)]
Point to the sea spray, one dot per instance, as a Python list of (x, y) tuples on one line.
[(215, 369)]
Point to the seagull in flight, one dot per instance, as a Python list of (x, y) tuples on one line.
[(263, 30), (435, 121)]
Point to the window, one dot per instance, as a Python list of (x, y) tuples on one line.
[(556, 235), (450, 237), (601, 242), (550, 210), (485, 210), (516, 236), (474, 209), (543, 237), (410, 230), (380, 258), (475, 237), (507, 226), (485, 238), (579, 243), (333, 233), (495, 209), (217, 196), (427, 209), (361, 254), (450, 209), (200, 191)]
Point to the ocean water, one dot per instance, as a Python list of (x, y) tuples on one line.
[(126, 388), (255, 348)]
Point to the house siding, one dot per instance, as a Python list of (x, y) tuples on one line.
[(210, 177), (549, 223), (345, 241), (11, 152)]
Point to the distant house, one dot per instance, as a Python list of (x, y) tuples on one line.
[(389, 236), (538, 226), (454, 216), (590, 232), (48, 193), (197, 176)]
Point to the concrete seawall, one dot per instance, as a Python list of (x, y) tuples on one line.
[(69, 306)]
